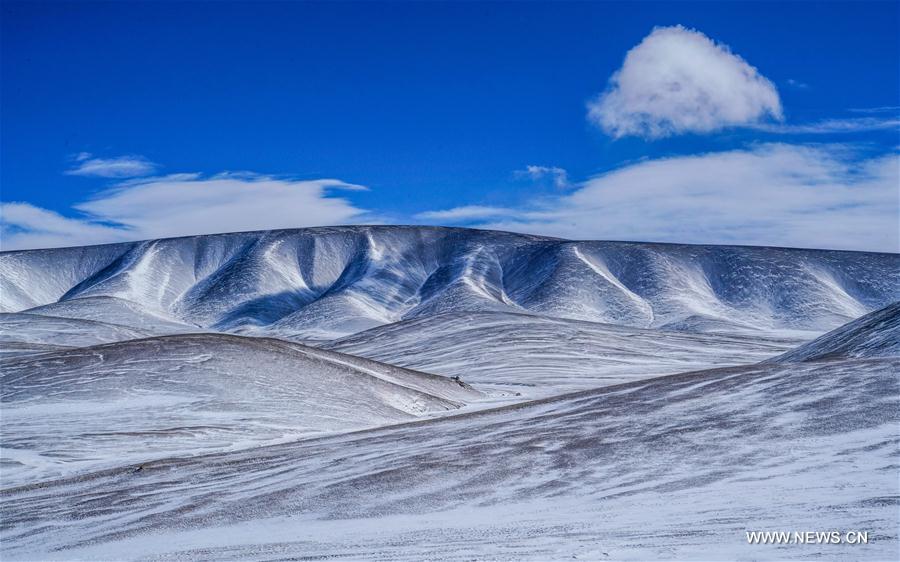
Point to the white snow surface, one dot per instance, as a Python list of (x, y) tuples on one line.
[(287, 394), (876, 334), (540, 356), (61, 332), (676, 468), (133, 401)]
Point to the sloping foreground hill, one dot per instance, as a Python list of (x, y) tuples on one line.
[(876, 334), (131, 401), (540, 356), (679, 467), (324, 283)]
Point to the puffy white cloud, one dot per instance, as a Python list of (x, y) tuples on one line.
[(120, 167), (559, 176), (770, 195), (179, 205), (678, 80)]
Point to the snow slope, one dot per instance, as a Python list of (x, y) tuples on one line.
[(66, 411), (325, 283), (677, 468), (58, 331), (876, 334), (541, 356), (118, 311)]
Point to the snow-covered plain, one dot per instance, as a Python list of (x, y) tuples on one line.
[(288, 394)]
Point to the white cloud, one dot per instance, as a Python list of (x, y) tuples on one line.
[(27, 226), (464, 214), (179, 205), (770, 195), (884, 109), (833, 126), (678, 80), (119, 167), (559, 176)]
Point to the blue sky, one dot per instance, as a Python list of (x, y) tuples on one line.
[(751, 123)]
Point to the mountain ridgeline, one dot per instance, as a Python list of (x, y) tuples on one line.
[(324, 283)]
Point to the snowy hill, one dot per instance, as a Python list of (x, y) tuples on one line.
[(325, 283), (61, 332), (540, 356), (876, 334), (65, 411)]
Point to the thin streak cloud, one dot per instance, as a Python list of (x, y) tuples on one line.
[(119, 167)]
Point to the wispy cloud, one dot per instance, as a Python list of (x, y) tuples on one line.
[(833, 126), (771, 195), (26, 226), (118, 167), (796, 84), (465, 214), (677, 81), (182, 204), (884, 109), (558, 176)]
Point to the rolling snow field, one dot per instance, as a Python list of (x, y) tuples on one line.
[(422, 393)]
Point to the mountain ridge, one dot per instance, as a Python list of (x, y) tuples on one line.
[(329, 282), (448, 228)]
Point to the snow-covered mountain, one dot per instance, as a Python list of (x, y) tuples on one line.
[(417, 392), (325, 283)]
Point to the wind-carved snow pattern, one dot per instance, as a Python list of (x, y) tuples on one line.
[(434, 393)]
